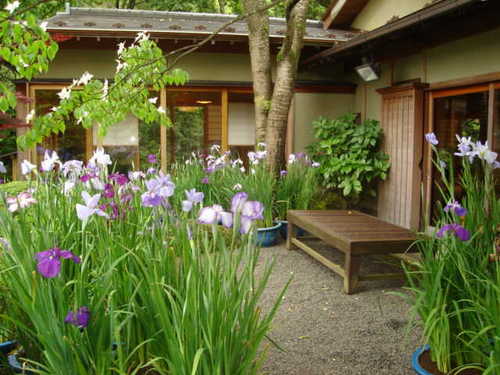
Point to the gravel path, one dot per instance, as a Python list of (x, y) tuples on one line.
[(325, 332)]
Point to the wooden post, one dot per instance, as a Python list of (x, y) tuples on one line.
[(163, 133), (225, 120), (351, 268)]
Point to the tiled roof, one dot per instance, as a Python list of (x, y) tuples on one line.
[(161, 23)]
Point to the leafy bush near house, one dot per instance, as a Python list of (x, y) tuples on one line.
[(349, 154)]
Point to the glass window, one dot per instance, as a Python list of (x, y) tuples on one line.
[(465, 115), (197, 122), (69, 144)]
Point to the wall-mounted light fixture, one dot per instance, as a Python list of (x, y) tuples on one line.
[(369, 71), (204, 101)]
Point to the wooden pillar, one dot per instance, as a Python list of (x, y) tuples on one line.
[(163, 133), (22, 109), (402, 123), (225, 120), (290, 130)]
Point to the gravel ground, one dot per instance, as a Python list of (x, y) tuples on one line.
[(323, 331)]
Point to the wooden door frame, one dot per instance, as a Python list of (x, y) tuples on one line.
[(444, 92)]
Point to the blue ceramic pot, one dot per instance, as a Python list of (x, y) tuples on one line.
[(8, 347), (415, 360), (267, 237), (284, 230)]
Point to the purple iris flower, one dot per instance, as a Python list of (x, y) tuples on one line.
[(283, 173), (119, 178), (187, 206), (86, 178), (194, 196), (151, 199), (245, 225), (226, 218), (49, 261), (238, 201), (456, 207), (79, 318), (127, 197), (204, 180), (431, 138), (300, 155), (254, 210), (151, 170), (152, 159), (209, 170), (456, 229), (214, 215), (108, 191)]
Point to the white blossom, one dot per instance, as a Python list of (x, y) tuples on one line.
[(162, 110), (105, 89), (153, 100), (27, 167), (43, 25), (49, 161), (11, 7), (65, 93), (121, 48), (237, 187), (2, 168), (120, 65), (30, 116), (100, 157), (85, 78)]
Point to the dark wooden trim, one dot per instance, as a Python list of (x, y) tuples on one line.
[(491, 116), (400, 88), (459, 91), (467, 81), (346, 15), (232, 86)]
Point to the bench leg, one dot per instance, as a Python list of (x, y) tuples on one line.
[(291, 233), (351, 269)]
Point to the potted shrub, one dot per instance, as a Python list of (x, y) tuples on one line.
[(455, 291)]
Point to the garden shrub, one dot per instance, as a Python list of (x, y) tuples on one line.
[(349, 155)]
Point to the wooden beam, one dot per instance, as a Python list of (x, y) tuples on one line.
[(467, 81), (337, 268), (491, 116)]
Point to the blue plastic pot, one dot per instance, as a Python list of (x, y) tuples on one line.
[(415, 360), (267, 237), (6, 348)]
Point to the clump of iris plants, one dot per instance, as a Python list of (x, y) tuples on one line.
[(113, 273), (456, 287)]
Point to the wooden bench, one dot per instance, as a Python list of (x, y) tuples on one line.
[(356, 234)]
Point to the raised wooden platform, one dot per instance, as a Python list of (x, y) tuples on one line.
[(355, 234)]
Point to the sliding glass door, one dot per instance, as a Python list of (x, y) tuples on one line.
[(472, 112)]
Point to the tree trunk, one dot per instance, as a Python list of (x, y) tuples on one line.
[(286, 73), (222, 6), (260, 57)]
